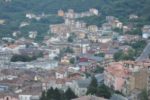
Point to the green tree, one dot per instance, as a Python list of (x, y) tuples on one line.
[(53, 94), (130, 55), (69, 94), (57, 95), (99, 69), (93, 20), (118, 30), (72, 60), (50, 93), (92, 89), (23, 58), (118, 56), (43, 96), (136, 31), (69, 50), (70, 39), (138, 46), (99, 54), (103, 91), (144, 95)]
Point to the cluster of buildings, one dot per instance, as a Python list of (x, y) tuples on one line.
[(80, 28), (73, 15), (34, 16), (27, 80), (65, 63)]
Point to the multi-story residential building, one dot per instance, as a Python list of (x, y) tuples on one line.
[(94, 11), (80, 24), (114, 76), (116, 24), (8, 96), (70, 13), (61, 73), (133, 16), (2, 21), (106, 27), (61, 13), (138, 79), (61, 30), (110, 18), (128, 38), (93, 28), (44, 64), (146, 32), (105, 39), (65, 60), (52, 53), (69, 22), (5, 57), (148, 80), (126, 29), (31, 91), (32, 34)]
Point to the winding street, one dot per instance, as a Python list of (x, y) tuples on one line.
[(145, 54)]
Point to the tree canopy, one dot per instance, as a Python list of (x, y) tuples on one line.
[(98, 90), (56, 94)]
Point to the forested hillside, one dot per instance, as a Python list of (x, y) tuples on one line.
[(14, 12), (113, 7)]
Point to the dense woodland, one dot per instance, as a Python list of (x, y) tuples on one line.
[(112, 7), (14, 12)]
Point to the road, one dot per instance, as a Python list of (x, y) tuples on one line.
[(145, 54)]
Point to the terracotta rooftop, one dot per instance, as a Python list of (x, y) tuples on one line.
[(117, 69), (89, 98)]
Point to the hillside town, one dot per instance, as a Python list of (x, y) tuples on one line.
[(73, 54)]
